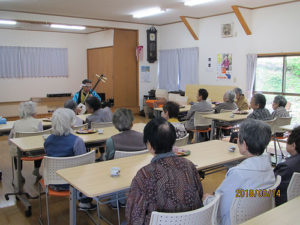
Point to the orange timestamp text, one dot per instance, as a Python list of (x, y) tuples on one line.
[(253, 193)]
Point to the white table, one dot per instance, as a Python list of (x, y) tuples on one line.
[(285, 214)]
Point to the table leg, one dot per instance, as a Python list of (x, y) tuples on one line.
[(212, 131), (72, 200), (19, 171)]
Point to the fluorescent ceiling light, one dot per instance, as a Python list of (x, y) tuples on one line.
[(8, 22), (148, 12), (196, 2), (70, 27)]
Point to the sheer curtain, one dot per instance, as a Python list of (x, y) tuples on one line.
[(188, 66), (22, 62), (168, 70), (178, 67), (251, 73)]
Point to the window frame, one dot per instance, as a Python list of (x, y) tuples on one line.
[(283, 84)]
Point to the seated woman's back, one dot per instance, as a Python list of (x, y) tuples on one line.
[(26, 123), (170, 184), (62, 143), (128, 140)]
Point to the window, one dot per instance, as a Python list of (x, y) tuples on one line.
[(280, 75)]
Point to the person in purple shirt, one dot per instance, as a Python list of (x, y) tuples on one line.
[(62, 143)]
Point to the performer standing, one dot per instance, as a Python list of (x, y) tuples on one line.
[(85, 90)]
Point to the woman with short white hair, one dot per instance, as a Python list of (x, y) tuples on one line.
[(26, 123), (62, 143), (228, 103)]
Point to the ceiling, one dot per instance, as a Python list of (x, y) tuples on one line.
[(39, 26), (120, 10)]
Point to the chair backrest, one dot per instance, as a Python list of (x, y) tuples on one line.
[(123, 154), (83, 126), (52, 164), (161, 93), (282, 121), (28, 134), (294, 187), (200, 121), (244, 208), (101, 125), (272, 124), (182, 141), (202, 216)]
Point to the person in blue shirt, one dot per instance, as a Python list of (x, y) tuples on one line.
[(62, 143), (80, 96)]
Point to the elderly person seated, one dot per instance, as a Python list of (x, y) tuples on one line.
[(70, 104), (258, 103), (93, 106), (27, 123), (128, 140), (254, 173), (62, 143), (201, 106), (170, 112), (168, 184), (228, 103), (291, 165), (278, 106), (241, 100)]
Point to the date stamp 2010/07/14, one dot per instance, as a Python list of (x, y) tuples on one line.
[(253, 193)]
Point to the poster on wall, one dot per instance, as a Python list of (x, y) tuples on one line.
[(145, 72), (224, 66), (139, 53)]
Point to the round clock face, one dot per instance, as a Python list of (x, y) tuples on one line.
[(152, 37)]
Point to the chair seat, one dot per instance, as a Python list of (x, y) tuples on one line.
[(32, 158), (53, 192), (226, 127), (202, 131)]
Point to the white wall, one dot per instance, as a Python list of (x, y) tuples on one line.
[(77, 66), (274, 29), (100, 39), (24, 89)]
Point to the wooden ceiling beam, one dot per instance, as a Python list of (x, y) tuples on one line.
[(241, 19), (188, 26)]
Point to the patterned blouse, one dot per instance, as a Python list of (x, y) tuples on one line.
[(260, 114), (168, 184), (179, 128), (280, 112)]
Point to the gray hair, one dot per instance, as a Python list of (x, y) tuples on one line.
[(27, 109), (280, 100), (238, 91), (70, 104), (230, 95), (123, 119), (256, 134), (62, 121)]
